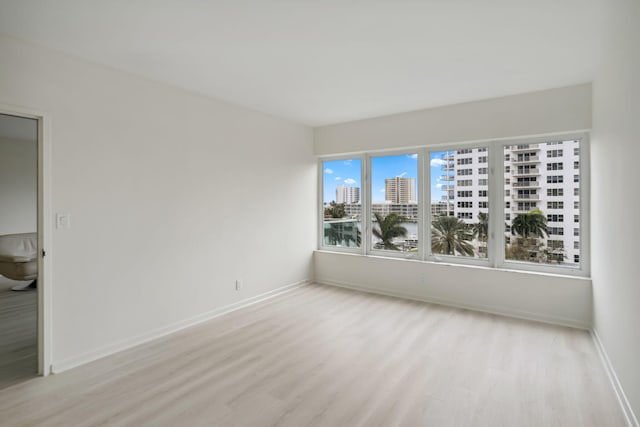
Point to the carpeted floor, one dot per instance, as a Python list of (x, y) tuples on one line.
[(18, 333)]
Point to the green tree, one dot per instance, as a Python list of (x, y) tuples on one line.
[(388, 228), (533, 224), (480, 229), (451, 236), (528, 229), (335, 210)]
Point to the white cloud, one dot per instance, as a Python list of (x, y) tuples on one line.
[(412, 156), (382, 190), (329, 171), (439, 185), (347, 162), (350, 181), (402, 174), (437, 162), (338, 178)]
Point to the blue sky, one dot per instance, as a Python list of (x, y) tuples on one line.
[(336, 172), (347, 172), (404, 165), (435, 162)]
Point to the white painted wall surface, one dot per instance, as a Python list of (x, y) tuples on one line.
[(18, 186), (172, 197), (615, 196), (549, 111), (555, 299)]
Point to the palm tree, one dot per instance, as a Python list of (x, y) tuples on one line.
[(451, 236), (528, 227), (481, 228), (388, 228), (533, 224)]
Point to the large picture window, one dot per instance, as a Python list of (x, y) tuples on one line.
[(512, 204), (342, 203), (394, 203), (459, 217), (545, 194)]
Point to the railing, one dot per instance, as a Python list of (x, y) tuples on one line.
[(525, 147), (525, 197), (527, 159), (526, 184), (528, 171)]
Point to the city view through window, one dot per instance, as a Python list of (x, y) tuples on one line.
[(541, 203)]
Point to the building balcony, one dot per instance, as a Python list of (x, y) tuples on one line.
[(526, 172), (447, 178), (522, 160), (448, 168), (534, 197), (526, 184), (525, 147), (517, 210)]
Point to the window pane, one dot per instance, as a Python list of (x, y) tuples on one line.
[(342, 203), (459, 206), (394, 203), (542, 203)]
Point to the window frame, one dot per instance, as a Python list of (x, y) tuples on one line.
[(363, 196), (496, 200), (369, 249)]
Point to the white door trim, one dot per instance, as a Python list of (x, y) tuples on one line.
[(45, 282)]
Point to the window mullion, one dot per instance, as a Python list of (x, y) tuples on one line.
[(366, 204), (496, 205), (424, 238)]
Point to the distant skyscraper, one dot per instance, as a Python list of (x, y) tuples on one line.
[(400, 190), (349, 195)]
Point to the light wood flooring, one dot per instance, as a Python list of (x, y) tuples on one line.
[(324, 356), (18, 334)]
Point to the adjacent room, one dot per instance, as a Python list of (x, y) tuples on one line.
[(333, 213), (18, 247)]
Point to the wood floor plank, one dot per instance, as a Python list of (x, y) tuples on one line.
[(325, 356), (18, 333)]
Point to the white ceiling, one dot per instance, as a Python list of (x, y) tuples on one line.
[(322, 62)]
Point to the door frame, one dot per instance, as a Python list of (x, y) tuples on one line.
[(45, 282)]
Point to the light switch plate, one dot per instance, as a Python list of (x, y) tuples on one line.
[(63, 220)]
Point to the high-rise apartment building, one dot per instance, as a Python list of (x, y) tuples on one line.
[(543, 176), (348, 195), (400, 190)]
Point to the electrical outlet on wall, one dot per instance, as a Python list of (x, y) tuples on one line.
[(238, 284)]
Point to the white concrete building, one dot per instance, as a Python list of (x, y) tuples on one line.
[(346, 194), (541, 176), (400, 190)]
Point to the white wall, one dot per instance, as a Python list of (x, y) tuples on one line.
[(556, 110), (615, 196), (554, 299), (563, 300), (18, 186), (172, 197)]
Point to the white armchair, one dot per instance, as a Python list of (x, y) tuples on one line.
[(19, 258)]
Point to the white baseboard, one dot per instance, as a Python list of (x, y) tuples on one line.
[(126, 344), (630, 417), (502, 311)]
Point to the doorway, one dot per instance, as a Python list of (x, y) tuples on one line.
[(20, 248)]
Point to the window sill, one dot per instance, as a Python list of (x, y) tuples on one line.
[(459, 265)]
